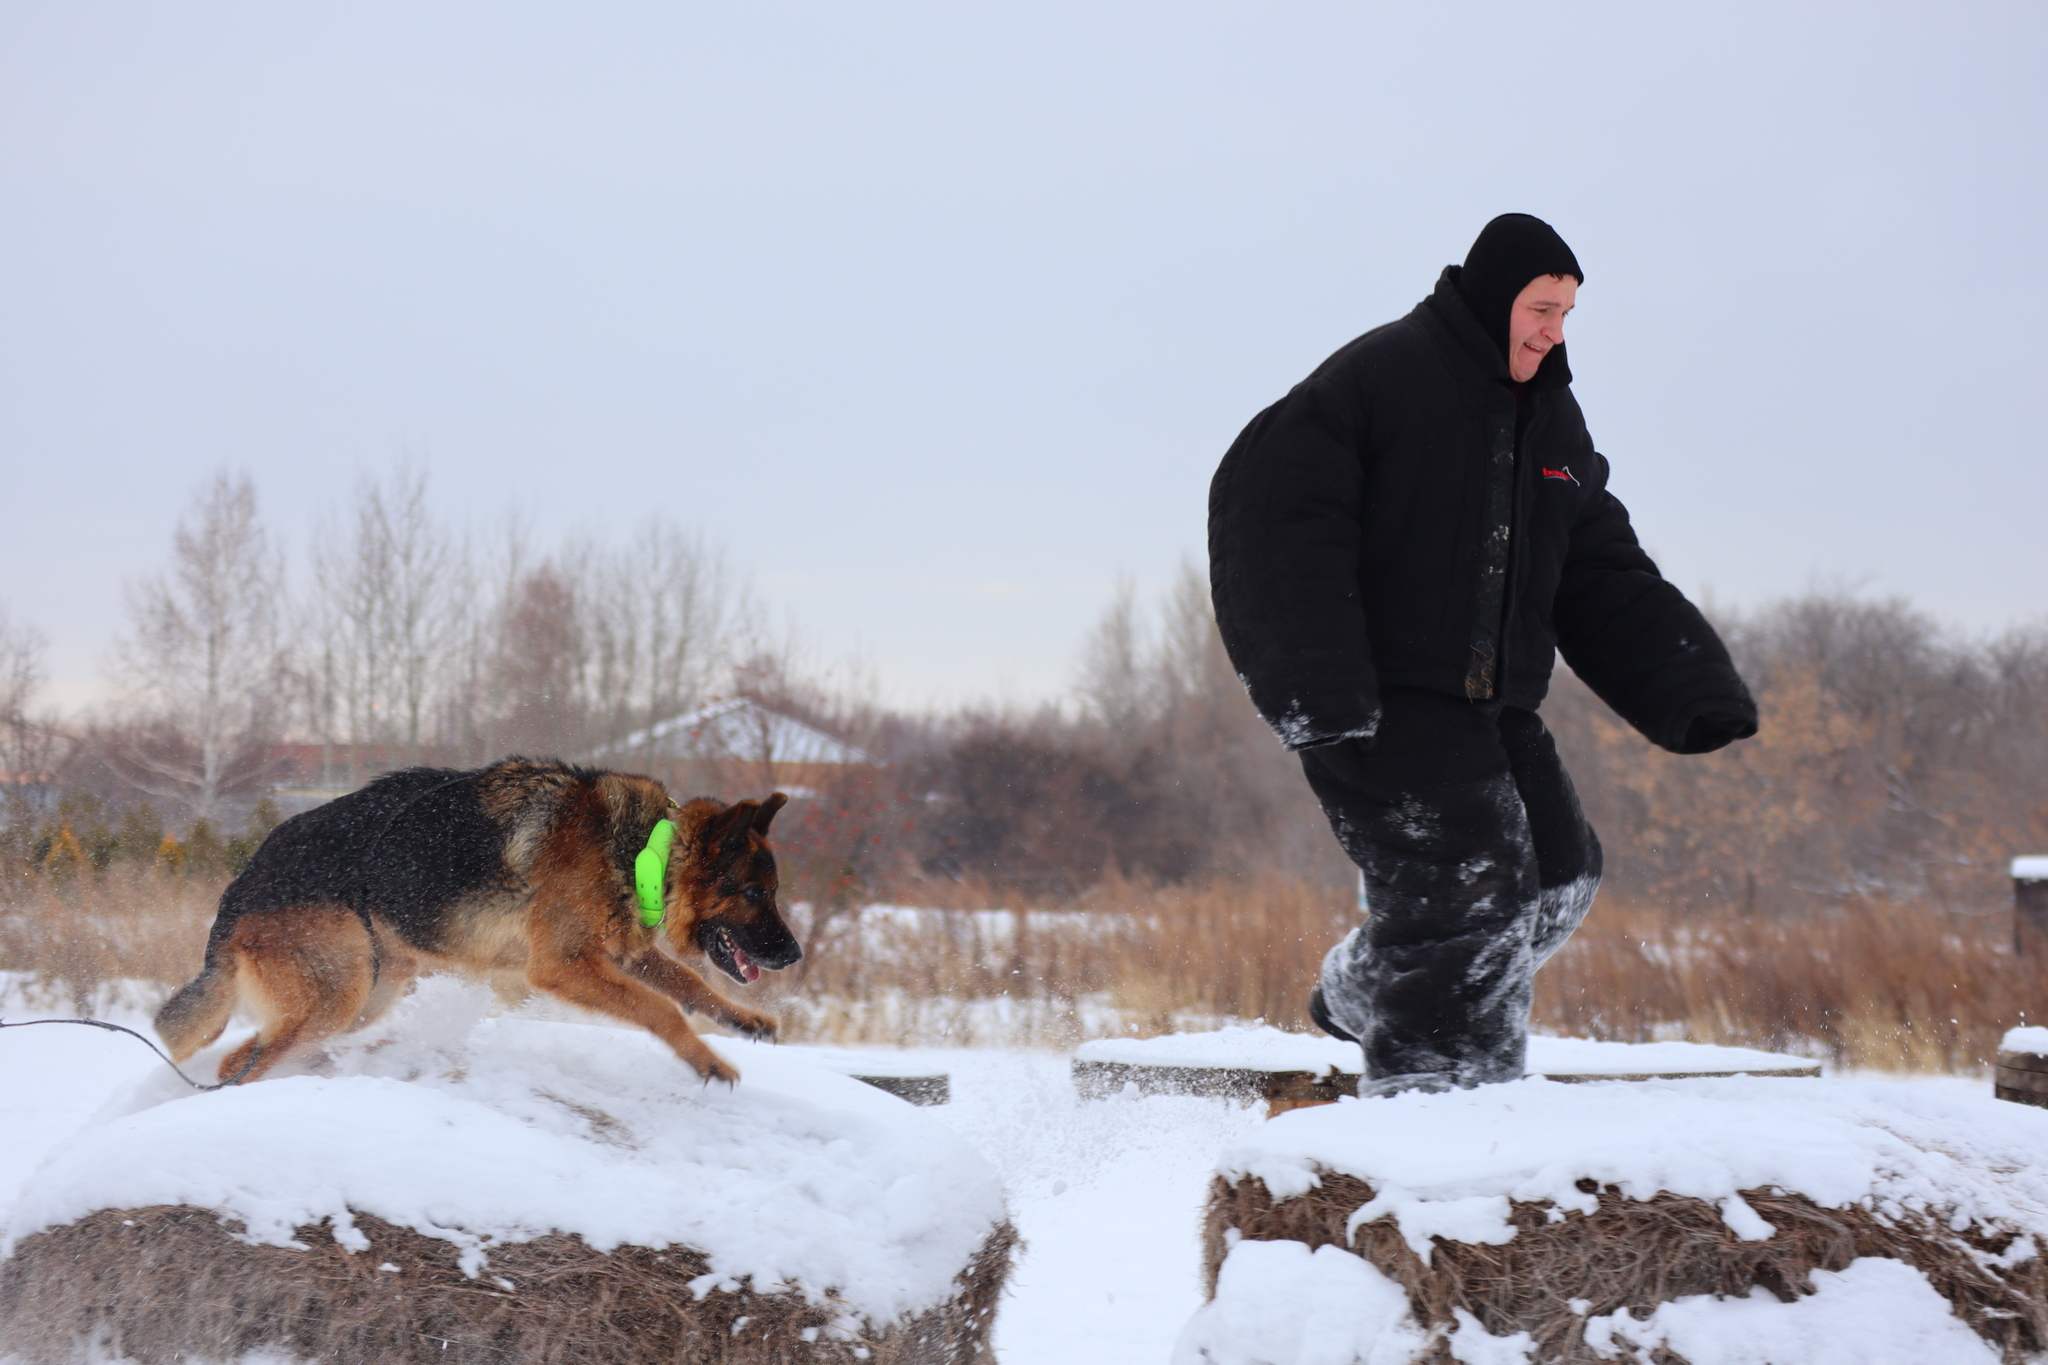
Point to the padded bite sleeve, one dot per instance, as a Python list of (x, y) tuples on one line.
[(1284, 540), (1640, 645)]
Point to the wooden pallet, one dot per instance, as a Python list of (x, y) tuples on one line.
[(900, 1076), (923, 1090), (2021, 1077), (1285, 1090)]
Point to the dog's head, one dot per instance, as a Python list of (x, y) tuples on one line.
[(725, 871)]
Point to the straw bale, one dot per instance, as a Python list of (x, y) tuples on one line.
[(173, 1283), (1636, 1254)]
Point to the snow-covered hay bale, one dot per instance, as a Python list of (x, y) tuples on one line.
[(459, 1189), (1702, 1221), (175, 1283)]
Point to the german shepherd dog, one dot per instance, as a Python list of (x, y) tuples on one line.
[(524, 870)]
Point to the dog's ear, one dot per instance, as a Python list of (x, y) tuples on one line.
[(767, 811), (731, 824)]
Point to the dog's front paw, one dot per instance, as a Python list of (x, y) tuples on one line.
[(753, 1024)]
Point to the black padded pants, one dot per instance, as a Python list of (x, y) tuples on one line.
[(1477, 864)]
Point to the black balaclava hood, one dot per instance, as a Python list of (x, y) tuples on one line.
[(1509, 252)]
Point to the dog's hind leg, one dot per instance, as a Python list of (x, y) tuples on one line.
[(394, 968), (308, 972)]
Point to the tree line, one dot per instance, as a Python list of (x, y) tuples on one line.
[(1897, 761), (403, 640)]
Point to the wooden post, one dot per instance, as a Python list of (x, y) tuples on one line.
[(2030, 907)]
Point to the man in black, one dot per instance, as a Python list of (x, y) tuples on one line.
[(1398, 548)]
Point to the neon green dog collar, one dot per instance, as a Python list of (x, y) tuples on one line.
[(650, 872)]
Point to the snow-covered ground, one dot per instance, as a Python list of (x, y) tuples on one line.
[(1108, 1194), (475, 1129)]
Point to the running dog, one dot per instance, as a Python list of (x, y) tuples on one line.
[(586, 885)]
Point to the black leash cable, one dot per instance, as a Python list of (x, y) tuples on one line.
[(119, 1028)]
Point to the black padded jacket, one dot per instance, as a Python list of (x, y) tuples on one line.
[(1405, 517)]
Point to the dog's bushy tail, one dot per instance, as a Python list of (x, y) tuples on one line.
[(195, 1016)]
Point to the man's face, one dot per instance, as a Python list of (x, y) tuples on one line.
[(1536, 322)]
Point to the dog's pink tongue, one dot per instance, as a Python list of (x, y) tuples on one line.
[(748, 971)]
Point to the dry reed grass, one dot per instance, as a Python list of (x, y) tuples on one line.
[(1635, 1254), (1126, 957), (76, 934), (171, 1284), (1867, 984)]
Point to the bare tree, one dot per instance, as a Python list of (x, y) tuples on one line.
[(387, 616), (542, 655), (1168, 775), (345, 659), (1114, 684), (663, 615), (1227, 788), (1895, 762), (202, 658), (25, 741), (473, 707)]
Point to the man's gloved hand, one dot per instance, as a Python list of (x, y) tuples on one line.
[(1715, 727)]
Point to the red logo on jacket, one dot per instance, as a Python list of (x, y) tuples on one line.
[(1563, 472)]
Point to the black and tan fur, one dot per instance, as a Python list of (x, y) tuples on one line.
[(518, 873)]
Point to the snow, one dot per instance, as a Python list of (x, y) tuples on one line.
[(1278, 1304), (2033, 869), (2032, 1038), (736, 729), (476, 1130), (1448, 1164), (876, 1062), (1255, 1047), (1874, 1312), (1108, 1194), (1590, 1057), (54, 1078), (1262, 1048)]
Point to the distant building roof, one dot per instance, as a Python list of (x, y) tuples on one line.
[(738, 729)]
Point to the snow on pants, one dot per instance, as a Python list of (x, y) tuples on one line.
[(1477, 866)]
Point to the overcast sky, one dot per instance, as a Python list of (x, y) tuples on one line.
[(939, 316)]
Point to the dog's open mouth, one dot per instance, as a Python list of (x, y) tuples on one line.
[(724, 950)]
